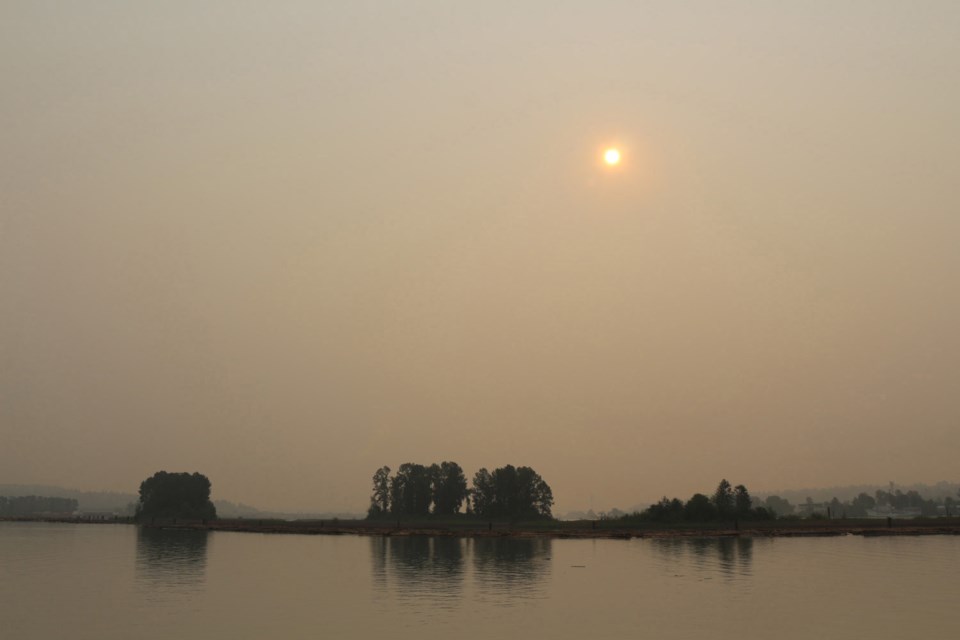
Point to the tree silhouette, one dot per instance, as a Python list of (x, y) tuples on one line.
[(723, 499), (175, 495), (511, 492), (411, 490), (449, 488), (482, 495), (742, 501), (699, 508), (441, 489), (380, 499)]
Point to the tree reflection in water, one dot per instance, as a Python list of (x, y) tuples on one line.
[(730, 556), (417, 566), (171, 558), (424, 569), (511, 569)]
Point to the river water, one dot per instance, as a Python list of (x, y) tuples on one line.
[(115, 581)]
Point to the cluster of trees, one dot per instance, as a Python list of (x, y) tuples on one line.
[(513, 492), (726, 503), (34, 505), (418, 490), (909, 500), (175, 495), (897, 501), (863, 505), (777, 506), (441, 489)]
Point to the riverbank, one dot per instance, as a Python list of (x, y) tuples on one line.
[(581, 529), (551, 529)]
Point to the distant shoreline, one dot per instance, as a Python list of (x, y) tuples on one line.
[(581, 532), (558, 530)]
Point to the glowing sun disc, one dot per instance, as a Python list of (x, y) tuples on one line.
[(611, 157)]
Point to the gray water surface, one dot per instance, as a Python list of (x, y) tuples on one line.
[(117, 581)]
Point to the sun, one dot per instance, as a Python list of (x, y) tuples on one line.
[(611, 157)]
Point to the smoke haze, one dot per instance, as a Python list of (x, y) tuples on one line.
[(285, 245)]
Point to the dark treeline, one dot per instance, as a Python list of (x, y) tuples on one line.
[(87, 500), (725, 504), (729, 503), (33, 505), (441, 489), (881, 503), (908, 500)]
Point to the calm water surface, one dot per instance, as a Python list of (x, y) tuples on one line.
[(115, 581)]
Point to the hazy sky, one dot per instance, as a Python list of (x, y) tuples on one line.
[(287, 243)]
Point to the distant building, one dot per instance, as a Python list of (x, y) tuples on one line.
[(886, 511)]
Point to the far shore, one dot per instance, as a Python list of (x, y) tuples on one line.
[(583, 529)]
